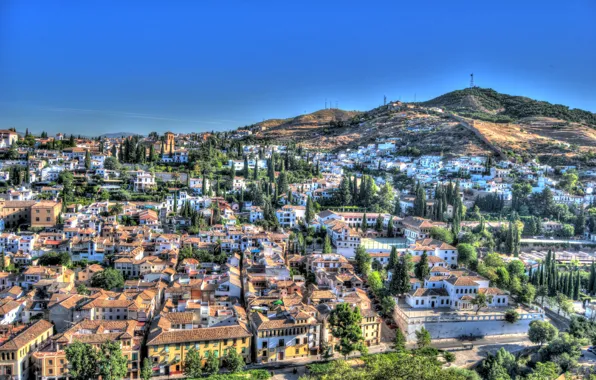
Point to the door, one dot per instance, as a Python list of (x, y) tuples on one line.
[(432, 304), (280, 356)]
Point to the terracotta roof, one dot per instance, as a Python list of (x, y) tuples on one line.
[(159, 336), (29, 334)]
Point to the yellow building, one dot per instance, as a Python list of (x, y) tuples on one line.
[(16, 349), (281, 334), (51, 362), (172, 335)]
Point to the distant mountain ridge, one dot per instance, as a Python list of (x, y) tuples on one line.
[(116, 135), (490, 105)]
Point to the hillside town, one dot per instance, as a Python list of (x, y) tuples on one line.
[(179, 255)]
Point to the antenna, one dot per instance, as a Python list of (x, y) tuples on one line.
[(325, 103), (384, 100), (336, 107), (472, 80)]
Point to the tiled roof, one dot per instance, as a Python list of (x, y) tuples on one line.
[(29, 334)]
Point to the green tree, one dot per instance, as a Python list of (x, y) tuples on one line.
[(327, 245), (234, 362), (544, 371), (82, 361), (87, 160), (375, 282), (112, 364), (363, 260), (480, 301), (399, 343), (466, 254), (422, 269), (400, 281), (387, 306), (108, 279), (511, 316), (212, 365), (146, 370), (309, 214), (192, 365), (423, 338), (541, 332), (345, 326), (442, 234)]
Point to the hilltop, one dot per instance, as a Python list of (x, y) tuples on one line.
[(116, 135), (463, 122), (490, 105)]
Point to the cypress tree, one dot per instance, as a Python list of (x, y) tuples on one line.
[(246, 172), (577, 286), (364, 224), (591, 279)]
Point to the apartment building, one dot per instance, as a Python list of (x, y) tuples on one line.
[(51, 361), (172, 335), (17, 345)]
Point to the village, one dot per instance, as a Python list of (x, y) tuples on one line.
[(217, 250)]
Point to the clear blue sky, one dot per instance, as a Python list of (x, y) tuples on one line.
[(92, 67)]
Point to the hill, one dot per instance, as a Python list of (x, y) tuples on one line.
[(464, 122), (490, 105), (303, 126), (116, 135)]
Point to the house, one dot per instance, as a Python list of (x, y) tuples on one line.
[(172, 335), (17, 347), (51, 360)]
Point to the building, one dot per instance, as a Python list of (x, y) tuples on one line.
[(51, 362), (45, 214), (35, 213), (144, 181), (284, 329), (17, 346), (7, 138), (173, 334)]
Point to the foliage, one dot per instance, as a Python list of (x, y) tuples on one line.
[(511, 316), (107, 279), (146, 370), (394, 366), (212, 365), (423, 338), (442, 234), (422, 269), (192, 363), (253, 374), (234, 362), (112, 364), (508, 107), (345, 326), (82, 361), (542, 332), (466, 254), (563, 350), (53, 258), (544, 371)]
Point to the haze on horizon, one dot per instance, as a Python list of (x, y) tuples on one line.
[(97, 67)]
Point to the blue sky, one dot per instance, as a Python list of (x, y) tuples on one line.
[(93, 67)]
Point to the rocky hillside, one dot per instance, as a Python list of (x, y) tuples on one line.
[(464, 122)]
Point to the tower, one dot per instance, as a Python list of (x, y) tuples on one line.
[(472, 80), (169, 144)]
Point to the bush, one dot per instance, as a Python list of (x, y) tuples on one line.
[(511, 316), (449, 356)]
